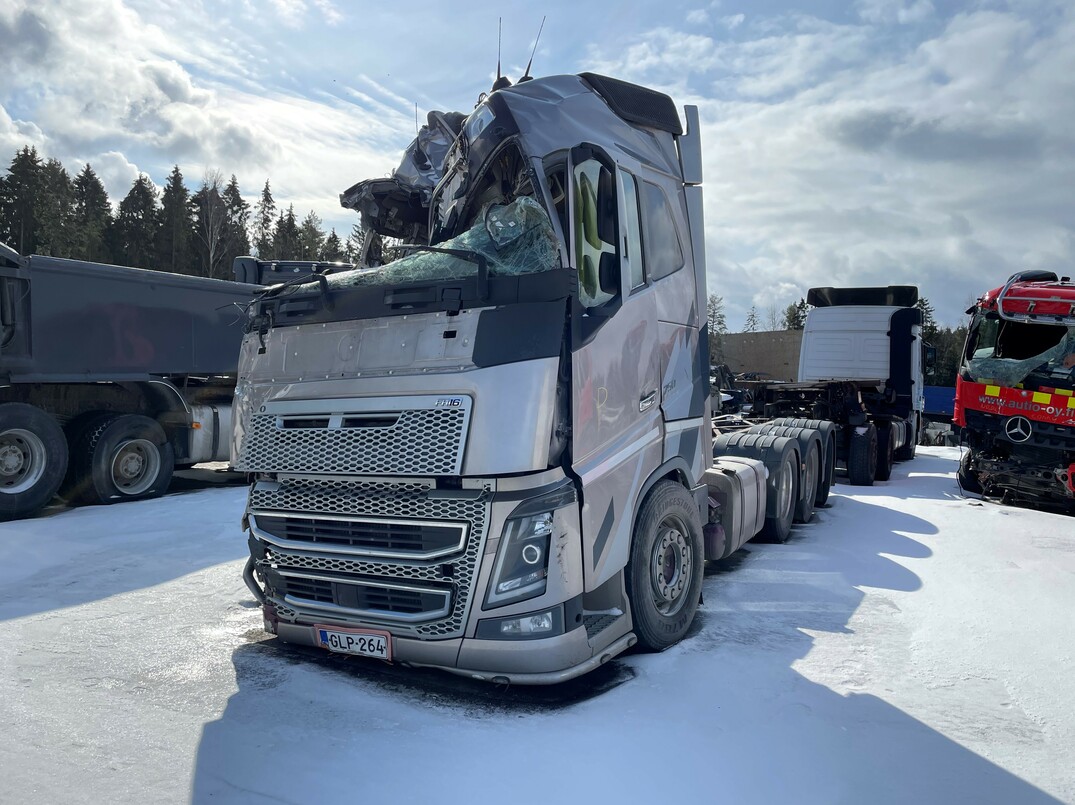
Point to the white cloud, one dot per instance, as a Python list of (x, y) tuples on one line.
[(948, 164), (889, 11), (733, 21), (698, 16)]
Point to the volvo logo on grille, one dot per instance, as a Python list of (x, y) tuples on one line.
[(448, 402), (1017, 428)]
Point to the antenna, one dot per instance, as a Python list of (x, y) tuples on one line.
[(501, 81), (416, 118), (526, 75)]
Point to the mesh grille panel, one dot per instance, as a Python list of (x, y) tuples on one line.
[(420, 442), (381, 500)]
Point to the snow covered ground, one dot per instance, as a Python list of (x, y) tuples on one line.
[(908, 646)]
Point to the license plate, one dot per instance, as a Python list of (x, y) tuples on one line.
[(363, 642)]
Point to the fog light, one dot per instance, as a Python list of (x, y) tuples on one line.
[(528, 625)]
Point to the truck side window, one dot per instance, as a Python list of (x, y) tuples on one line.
[(595, 233), (632, 231), (664, 255)]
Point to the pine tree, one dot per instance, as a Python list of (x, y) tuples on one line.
[(795, 315), (929, 324), (55, 211), (237, 214), (353, 245), (752, 322), (19, 191), (175, 247), (311, 238), (134, 232), (333, 250), (285, 242), (265, 224), (92, 218)]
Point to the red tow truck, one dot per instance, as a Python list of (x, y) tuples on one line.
[(1015, 394)]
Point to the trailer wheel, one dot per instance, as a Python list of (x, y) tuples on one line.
[(665, 568), (906, 453), (862, 455), (804, 509), (967, 478), (120, 457), (885, 453), (33, 459), (785, 486)]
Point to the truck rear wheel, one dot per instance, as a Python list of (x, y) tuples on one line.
[(906, 453), (885, 454), (665, 568), (862, 455), (785, 488), (827, 472), (804, 509), (33, 459), (120, 457)]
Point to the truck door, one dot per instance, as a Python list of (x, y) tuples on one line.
[(617, 428)]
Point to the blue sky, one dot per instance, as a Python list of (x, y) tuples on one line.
[(869, 142)]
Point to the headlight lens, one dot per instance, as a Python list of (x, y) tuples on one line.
[(522, 560)]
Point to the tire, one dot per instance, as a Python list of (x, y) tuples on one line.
[(862, 456), (664, 572), (120, 457), (777, 525), (968, 481), (804, 508), (33, 459), (827, 430), (810, 440), (885, 453), (906, 453), (775, 452)]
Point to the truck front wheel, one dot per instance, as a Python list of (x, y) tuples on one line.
[(33, 459), (862, 455), (122, 457), (665, 568), (967, 478)]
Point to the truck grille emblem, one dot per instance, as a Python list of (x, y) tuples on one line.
[(1017, 428)]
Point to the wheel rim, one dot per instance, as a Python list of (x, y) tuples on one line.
[(811, 480), (783, 491), (670, 566), (22, 460), (135, 466)]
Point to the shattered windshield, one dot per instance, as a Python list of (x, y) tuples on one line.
[(1008, 352), (515, 238)]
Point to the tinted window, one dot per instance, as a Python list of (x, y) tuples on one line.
[(663, 252)]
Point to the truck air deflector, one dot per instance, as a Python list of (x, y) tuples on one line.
[(888, 296), (636, 104)]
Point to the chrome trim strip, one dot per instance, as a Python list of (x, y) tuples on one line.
[(349, 550)]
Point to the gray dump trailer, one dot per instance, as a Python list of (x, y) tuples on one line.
[(493, 454), (110, 377)]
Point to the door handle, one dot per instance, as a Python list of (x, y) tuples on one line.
[(647, 402)]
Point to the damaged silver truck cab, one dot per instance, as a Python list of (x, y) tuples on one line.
[(488, 455)]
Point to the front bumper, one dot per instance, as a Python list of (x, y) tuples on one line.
[(524, 662)]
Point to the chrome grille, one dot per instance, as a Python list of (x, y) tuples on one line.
[(382, 500), (361, 536), (415, 441)]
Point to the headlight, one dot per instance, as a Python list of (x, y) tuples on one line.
[(522, 559)]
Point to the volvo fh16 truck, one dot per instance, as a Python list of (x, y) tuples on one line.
[(492, 455)]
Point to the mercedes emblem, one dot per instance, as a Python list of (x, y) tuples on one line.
[(1017, 428)]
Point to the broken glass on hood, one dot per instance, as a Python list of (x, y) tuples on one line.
[(515, 238)]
